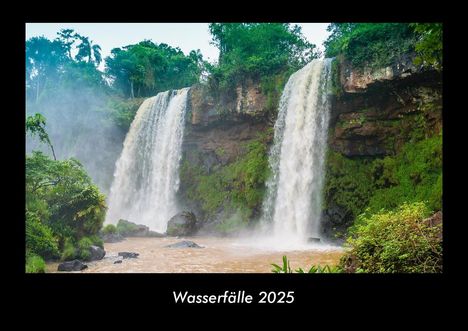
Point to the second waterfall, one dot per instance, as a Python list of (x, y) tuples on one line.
[(146, 177), (293, 199)]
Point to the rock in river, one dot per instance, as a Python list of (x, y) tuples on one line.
[(182, 224), (75, 265), (129, 255), (184, 244), (97, 253)]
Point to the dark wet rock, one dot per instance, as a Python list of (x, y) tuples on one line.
[(118, 261), (97, 253), (112, 237), (184, 244), (182, 224), (313, 240), (75, 265), (129, 255)]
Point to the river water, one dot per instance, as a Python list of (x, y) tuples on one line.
[(218, 255)]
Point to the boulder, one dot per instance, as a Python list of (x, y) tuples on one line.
[(182, 224), (184, 244), (130, 229), (129, 255), (75, 265), (112, 237), (97, 253)]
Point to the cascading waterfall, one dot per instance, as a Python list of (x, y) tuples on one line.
[(293, 199), (146, 177)]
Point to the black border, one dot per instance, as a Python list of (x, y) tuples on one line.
[(369, 292)]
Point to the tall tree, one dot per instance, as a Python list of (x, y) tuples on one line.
[(86, 49)]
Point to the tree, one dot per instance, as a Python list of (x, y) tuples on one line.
[(86, 49), (429, 44), (370, 44), (44, 62), (61, 194), (36, 126), (67, 37), (146, 68), (253, 50)]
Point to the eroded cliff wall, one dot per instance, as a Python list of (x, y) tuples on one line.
[(374, 114)]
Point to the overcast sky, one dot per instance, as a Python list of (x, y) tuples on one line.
[(186, 36)]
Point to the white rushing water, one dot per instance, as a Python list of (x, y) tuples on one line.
[(294, 191), (146, 177)]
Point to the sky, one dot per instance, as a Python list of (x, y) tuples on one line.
[(186, 36)]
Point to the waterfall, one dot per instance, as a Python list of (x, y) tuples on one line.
[(294, 190), (146, 176)]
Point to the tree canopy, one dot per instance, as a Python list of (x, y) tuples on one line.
[(380, 44), (255, 50), (147, 68)]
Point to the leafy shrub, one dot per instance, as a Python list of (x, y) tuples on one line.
[(399, 241), (84, 246), (69, 251), (109, 229), (35, 264), (125, 227), (72, 205), (97, 241), (39, 238)]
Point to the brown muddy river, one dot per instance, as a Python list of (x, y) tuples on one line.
[(218, 255)]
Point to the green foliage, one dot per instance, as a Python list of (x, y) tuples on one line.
[(147, 68), (336, 87), (125, 227), (254, 50), (35, 125), (370, 44), (69, 251), (84, 245), (69, 206), (39, 237), (237, 187), (395, 241), (272, 87), (414, 174), (80, 249), (314, 269), (348, 182), (109, 229), (123, 111), (34, 264), (286, 268), (429, 45)]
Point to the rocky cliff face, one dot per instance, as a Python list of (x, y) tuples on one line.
[(218, 126), (377, 111), (374, 112)]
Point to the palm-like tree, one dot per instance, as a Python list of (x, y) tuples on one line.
[(86, 49)]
